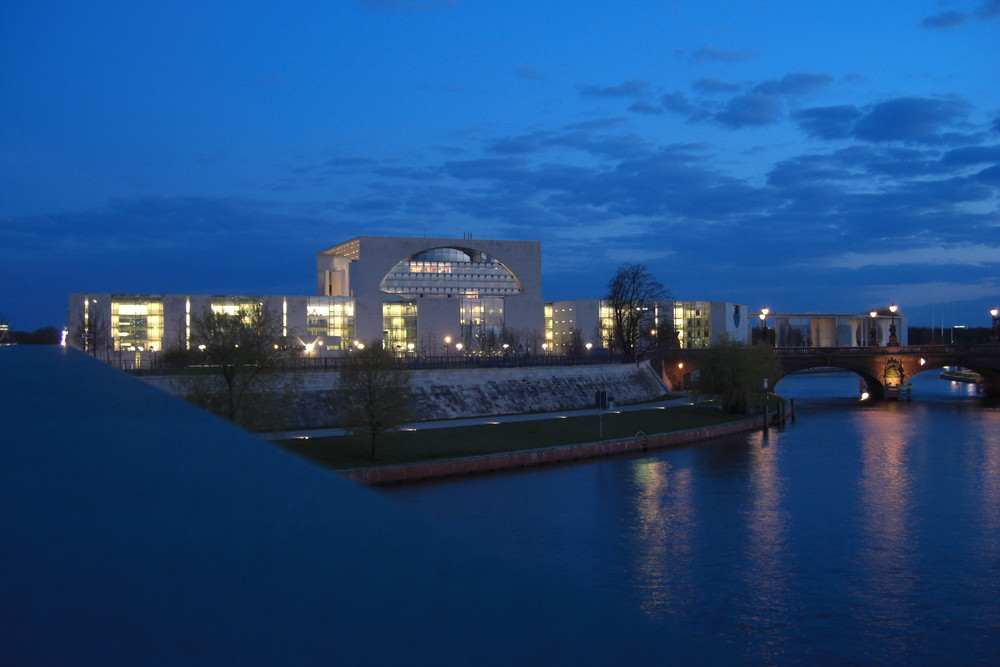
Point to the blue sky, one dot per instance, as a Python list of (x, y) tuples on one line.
[(808, 157)]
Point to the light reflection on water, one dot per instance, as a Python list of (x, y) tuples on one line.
[(865, 534)]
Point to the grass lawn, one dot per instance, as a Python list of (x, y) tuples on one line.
[(445, 443)]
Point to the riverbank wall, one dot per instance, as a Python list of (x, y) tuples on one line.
[(471, 465), (480, 392)]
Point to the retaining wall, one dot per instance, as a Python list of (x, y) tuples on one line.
[(538, 457), (451, 394)]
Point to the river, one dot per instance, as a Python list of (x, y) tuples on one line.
[(864, 534)]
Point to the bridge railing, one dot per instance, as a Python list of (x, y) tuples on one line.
[(873, 349)]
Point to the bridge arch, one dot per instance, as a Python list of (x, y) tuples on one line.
[(879, 367)]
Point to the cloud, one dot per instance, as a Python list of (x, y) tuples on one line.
[(795, 83), (944, 20), (965, 254), (910, 119), (642, 106), (990, 176), (630, 88), (709, 85), (990, 9), (828, 122), (711, 52), (752, 109), (676, 102), (404, 6), (970, 155), (903, 119), (528, 72)]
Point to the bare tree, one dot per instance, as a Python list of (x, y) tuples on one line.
[(92, 332), (243, 348), (373, 394), (632, 295)]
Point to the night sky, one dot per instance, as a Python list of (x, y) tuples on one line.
[(805, 156)]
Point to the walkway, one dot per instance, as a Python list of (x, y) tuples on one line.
[(491, 419)]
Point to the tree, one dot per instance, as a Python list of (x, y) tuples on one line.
[(92, 332), (735, 374), (632, 294), (373, 394), (243, 349)]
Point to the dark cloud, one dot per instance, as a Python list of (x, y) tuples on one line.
[(711, 52), (892, 161), (528, 72), (910, 119), (904, 119), (944, 20), (617, 146), (486, 168), (808, 170), (642, 106), (989, 9), (795, 83), (676, 102), (339, 165), (709, 85), (630, 88), (971, 155), (751, 110), (990, 176), (403, 6), (828, 122), (522, 145)]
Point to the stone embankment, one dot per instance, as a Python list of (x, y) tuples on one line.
[(451, 394), (412, 472)]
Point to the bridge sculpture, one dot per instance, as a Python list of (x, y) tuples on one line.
[(885, 370)]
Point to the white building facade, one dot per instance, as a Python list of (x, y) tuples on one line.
[(412, 295)]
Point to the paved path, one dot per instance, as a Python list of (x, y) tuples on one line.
[(489, 419)]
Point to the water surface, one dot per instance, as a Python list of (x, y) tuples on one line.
[(860, 534)]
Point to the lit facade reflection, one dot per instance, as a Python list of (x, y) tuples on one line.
[(664, 519), (766, 524), (989, 483), (887, 542)]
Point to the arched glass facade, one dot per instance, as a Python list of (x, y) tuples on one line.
[(450, 271)]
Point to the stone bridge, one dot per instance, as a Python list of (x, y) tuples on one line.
[(884, 369)]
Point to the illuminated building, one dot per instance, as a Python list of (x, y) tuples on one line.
[(577, 322), (411, 294)]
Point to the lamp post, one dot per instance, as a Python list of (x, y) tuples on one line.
[(995, 328), (764, 336), (873, 331), (893, 341)]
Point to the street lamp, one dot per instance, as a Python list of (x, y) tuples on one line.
[(764, 336), (874, 331), (447, 345), (996, 324), (893, 341)]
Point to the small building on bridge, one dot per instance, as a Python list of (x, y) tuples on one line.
[(875, 327)]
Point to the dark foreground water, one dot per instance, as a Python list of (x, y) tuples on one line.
[(864, 535)]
